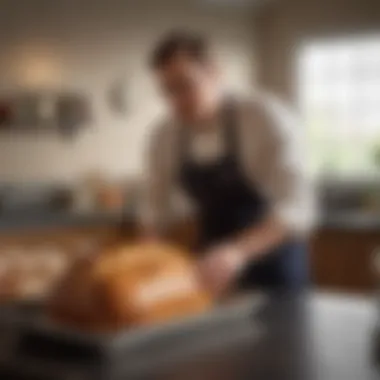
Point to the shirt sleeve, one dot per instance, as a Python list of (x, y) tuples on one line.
[(278, 165), (154, 202)]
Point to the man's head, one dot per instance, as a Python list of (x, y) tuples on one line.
[(186, 74)]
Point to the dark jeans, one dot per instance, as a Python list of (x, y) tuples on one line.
[(284, 268)]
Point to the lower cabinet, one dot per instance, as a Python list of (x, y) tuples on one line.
[(343, 260)]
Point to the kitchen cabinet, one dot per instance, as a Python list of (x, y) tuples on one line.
[(341, 259), (72, 238), (67, 238)]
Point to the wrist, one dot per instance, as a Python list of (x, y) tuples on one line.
[(241, 249), (237, 254)]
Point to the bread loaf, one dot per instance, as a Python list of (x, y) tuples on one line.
[(131, 285)]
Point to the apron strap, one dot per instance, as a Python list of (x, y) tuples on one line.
[(230, 136), (183, 144), (230, 123)]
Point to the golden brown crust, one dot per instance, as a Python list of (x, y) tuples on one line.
[(129, 285)]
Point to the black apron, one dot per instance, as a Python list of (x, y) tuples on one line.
[(228, 203)]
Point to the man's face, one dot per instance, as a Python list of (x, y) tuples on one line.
[(187, 85)]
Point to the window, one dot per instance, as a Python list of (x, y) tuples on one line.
[(339, 95)]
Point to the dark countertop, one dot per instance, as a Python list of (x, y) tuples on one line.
[(29, 221), (304, 337), (308, 338), (350, 221), (44, 220)]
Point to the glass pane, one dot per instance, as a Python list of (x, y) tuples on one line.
[(339, 88)]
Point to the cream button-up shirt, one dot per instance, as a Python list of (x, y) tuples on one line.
[(272, 153)]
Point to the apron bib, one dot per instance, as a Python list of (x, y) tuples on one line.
[(228, 203)]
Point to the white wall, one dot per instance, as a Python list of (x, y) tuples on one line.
[(85, 45)]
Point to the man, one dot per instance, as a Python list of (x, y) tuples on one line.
[(238, 163)]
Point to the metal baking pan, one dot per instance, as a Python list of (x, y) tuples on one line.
[(52, 346)]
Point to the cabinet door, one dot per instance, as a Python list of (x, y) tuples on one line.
[(343, 259)]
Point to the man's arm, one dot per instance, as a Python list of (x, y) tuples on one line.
[(279, 169), (257, 241)]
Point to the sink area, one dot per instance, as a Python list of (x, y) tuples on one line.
[(350, 204), (350, 219)]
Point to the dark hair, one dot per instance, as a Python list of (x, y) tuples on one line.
[(177, 42)]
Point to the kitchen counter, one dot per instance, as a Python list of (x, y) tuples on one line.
[(354, 221), (9, 222), (42, 220), (303, 336), (312, 337)]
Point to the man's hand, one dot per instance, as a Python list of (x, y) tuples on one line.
[(220, 267), (222, 264)]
